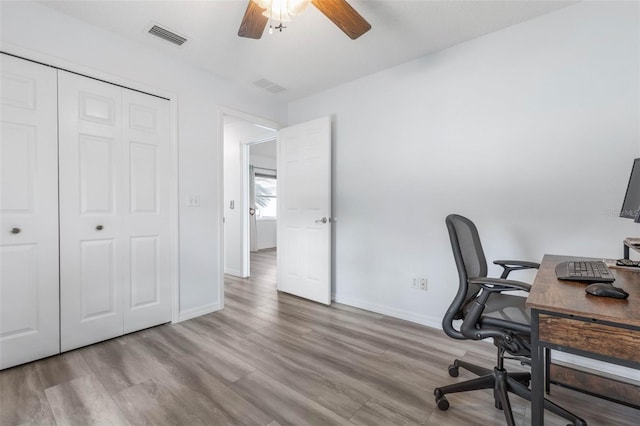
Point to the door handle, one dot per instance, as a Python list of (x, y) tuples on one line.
[(323, 220), (15, 230)]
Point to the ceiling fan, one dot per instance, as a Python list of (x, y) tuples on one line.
[(339, 12)]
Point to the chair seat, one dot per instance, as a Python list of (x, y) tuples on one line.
[(508, 312), (506, 309)]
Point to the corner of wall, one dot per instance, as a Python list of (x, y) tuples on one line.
[(198, 311)]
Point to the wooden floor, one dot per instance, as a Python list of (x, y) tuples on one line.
[(269, 359)]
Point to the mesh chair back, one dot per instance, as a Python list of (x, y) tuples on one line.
[(471, 263)]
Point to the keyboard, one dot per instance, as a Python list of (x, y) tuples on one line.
[(594, 271), (628, 263)]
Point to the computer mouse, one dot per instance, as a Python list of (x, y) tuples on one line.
[(606, 290)]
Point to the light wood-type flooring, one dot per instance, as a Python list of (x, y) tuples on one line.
[(270, 359)]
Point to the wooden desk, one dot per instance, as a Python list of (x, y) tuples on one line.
[(567, 319)]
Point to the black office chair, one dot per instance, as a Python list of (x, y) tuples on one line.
[(486, 311)]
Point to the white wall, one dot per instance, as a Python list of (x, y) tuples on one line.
[(236, 133), (266, 233), (54, 37), (529, 131), (264, 161)]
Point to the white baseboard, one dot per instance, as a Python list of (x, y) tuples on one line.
[(233, 272), (198, 310), (429, 321)]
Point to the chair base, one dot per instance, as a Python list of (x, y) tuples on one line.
[(502, 383)]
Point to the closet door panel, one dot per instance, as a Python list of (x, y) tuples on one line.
[(92, 267), (147, 299), (29, 288), (97, 279), (95, 172)]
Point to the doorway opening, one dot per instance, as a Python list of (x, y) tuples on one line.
[(262, 195), (249, 172)]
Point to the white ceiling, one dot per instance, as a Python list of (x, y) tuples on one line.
[(311, 54)]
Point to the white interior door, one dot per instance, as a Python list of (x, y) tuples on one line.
[(146, 194), (304, 210), (29, 327), (92, 250)]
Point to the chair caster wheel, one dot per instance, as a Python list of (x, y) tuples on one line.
[(442, 403), (453, 370), (441, 400)]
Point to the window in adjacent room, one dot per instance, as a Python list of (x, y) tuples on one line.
[(265, 197)]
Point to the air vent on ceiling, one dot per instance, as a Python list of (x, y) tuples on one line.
[(167, 35), (268, 85)]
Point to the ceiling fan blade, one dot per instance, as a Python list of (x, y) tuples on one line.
[(344, 16), (253, 22)]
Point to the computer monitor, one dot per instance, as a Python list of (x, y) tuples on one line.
[(631, 204)]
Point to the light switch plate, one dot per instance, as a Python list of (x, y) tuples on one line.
[(193, 200)]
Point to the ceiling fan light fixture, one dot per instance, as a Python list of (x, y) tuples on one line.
[(282, 10), (259, 13)]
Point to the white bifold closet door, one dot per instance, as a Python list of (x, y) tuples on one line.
[(114, 210), (29, 327)]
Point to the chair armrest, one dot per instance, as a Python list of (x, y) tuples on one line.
[(520, 263), (515, 265), (500, 284)]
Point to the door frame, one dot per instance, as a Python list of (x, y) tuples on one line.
[(222, 112), (172, 97)]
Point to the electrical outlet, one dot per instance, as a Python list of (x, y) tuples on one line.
[(419, 283), (423, 284)]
